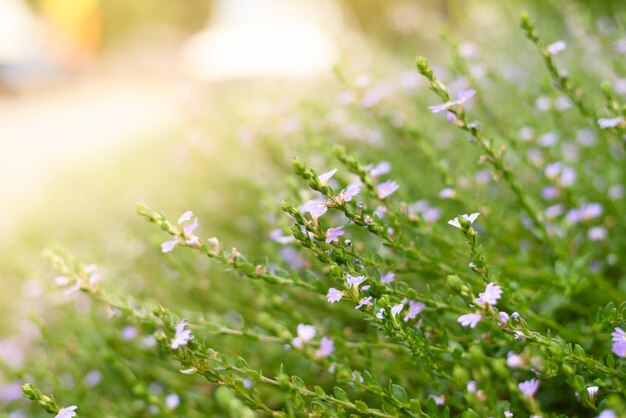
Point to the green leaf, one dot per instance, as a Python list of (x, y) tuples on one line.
[(361, 407), (399, 393), (340, 394)]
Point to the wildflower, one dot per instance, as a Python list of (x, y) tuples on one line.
[(323, 178), (490, 296), (469, 320), (415, 308), (349, 192), (354, 280), (305, 334), (619, 335), (462, 97), (380, 212), (334, 295), (529, 387), (592, 391), (503, 317), (619, 342), (508, 414), (471, 386), (172, 401), (93, 378), (597, 233), (469, 218), (327, 347), (605, 123), (387, 277), (385, 189), (183, 335), (556, 47), (439, 400), (129, 333), (553, 211), (277, 236), (379, 169), (380, 314), (333, 234), (548, 139), (67, 412), (315, 207), (396, 309), (365, 301), (447, 193), (187, 232), (607, 413)]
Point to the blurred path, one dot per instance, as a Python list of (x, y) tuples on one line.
[(43, 132)]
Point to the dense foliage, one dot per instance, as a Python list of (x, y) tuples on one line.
[(451, 254)]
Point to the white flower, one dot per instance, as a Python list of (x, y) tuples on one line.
[(469, 320), (305, 334), (183, 335), (470, 218), (396, 309), (556, 47), (592, 391), (67, 412), (323, 178)]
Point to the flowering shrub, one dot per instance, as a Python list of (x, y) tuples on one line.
[(417, 287)]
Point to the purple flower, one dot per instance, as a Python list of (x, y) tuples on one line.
[(129, 333), (315, 207), (490, 296), (380, 314), (323, 178), (183, 335), (439, 400), (553, 211), (334, 295), (305, 334), (365, 301), (333, 234), (327, 347), (462, 97), (349, 192), (185, 217), (67, 412), (503, 317), (556, 47), (187, 231), (514, 360), (619, 342), (604, 123), (529, 387), (592, 391), (385, 189), (354, 280), (447, 193), (168, 246), (380, 211), (396, 309), (470, 218), (379, 169), (469, 320), (414, 309), (277, 236), (172, 401), (597, 233), (619, 335), (607, 413), (387, 277)]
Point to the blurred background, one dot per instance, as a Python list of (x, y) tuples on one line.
[(107, 103)]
